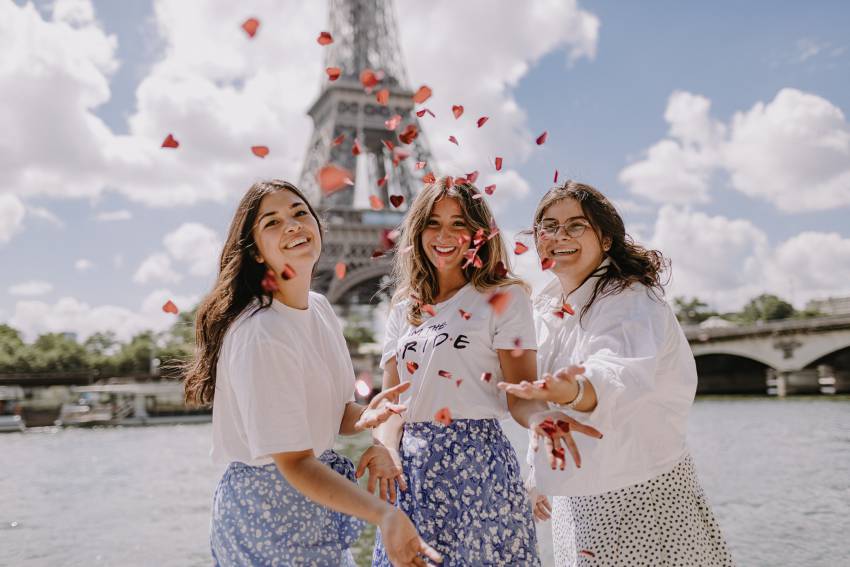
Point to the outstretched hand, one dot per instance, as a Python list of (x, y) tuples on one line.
[(382, 407), (402, 543), (384, 471), (560, 388), (555, 429)]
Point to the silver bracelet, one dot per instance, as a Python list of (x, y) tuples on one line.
[(577, 400)]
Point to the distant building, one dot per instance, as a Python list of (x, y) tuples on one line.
[(830, 305)]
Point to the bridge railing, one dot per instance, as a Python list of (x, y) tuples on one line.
[(697, 333)]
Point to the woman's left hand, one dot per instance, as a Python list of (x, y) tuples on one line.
[(381, 408), (384, 472), (560, 388), (555, 428)]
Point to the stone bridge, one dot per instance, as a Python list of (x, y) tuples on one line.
[(785, 357)]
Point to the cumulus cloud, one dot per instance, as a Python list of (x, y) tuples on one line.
[(31, 288), (83, 265), (109, 216), (12, 212), (194, 248), (793, 152), (156, 268)]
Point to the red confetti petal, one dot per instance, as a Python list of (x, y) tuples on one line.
[(376, 203), (486, 376), (338, 140), (471, 178), (501, 270), (547, 263), (458, 382), (429, 309), (400, 154), (499, 302), (520, 248), (422, 94), (412, 367), (250, 26), (393, 122), (556, 177), (420, 165), (478, 238), (170, 142), (465, 314), (548, 426), (383, 97), (558, 452), (287, 273), (340, 270), (421, 113), (457, 110), (382, 181), (333, 73), (396, 200), (269, 282), (587, 553), (170, 307), (428, 178), (388, 144), (332, 178), (444, 373), (325, 38), (378, 253), (498, 164), (356, 150), (477, 262), (453, 140), (482, 121), (408, 134), (260, 151), (567, 308), (559, 314), (541, 139), (563, 425), (369, 78), (443, 416), (517, 351), (490, 189)]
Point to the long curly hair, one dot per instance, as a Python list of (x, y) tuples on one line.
[(415, 277), (237, 286), (630, 263)]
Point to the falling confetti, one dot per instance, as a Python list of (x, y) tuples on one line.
[(486, 377), (520, 248), (412, 366), (490, 189), (170, 142), (333, 73), (393, 122), (547, 263), (429, 309), (260, 151), (567, 308), (587, 552), (355, 148), (383, 97), (443, 416), (382, 181), (453, 140), (471, 178), (396, 200), (457, 110), (517, 351), (556, 177), (287, 273), (483, 120), (325, 38), (376, 203), (339, 269), (444, 374), (421, 113), (465, 314), (420, 165), (429, 178), (458, 382), (541, 139), (501, 270), (269, 282), (408, 134), (332, 178), (498, 164), (370, 78), (250, 26), (338, 140), (499, 302), (422, 94), (170, 307)]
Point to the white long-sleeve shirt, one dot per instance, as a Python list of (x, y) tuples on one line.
[(639, 362)]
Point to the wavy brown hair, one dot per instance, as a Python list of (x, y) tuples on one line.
[(237, 287), (414, 276), (630, 263)]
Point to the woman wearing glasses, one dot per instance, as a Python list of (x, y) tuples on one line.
[(612, 355)]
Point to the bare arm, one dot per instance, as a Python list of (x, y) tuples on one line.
[(389, 432), (357, 418), (516, 369)]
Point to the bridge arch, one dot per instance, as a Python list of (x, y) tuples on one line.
[(366, 280), (812, 353), (730, 373)]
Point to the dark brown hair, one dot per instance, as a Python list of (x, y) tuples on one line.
[(630, 263), (237, 286)]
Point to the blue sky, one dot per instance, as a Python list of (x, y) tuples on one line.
[(747, 197)]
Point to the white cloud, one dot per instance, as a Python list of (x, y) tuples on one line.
[(45, 215), (120, 215), (69, 314), (812, 265), (793, 152), (12, 213), (195, 246), (83, 265), (156, 268), (31, 288)]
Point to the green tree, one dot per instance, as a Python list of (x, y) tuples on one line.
[(52, 352), (11, 345), (692, 311), (766, 307)]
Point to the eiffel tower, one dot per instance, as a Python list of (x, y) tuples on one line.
[(364, 38)]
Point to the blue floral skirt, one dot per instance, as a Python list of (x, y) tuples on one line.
[(258, 518), (465, 494)]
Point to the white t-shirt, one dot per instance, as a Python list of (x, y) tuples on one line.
[(463, 348), (283, 379), (639, 362)]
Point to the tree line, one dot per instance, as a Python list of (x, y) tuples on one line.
[(765, 307)]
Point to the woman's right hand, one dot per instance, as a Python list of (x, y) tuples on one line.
[(385, 470), (555, 429), (402, 543)]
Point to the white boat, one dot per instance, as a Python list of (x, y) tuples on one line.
[(10, 408), (143, 403)]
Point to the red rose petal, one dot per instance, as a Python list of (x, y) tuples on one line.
[(478, 238), (541, 139), (457, 110), (339, 269), (587, 553), (269, 282), (490, 189), (518, 350), (287, 273), (420, 165), (498, 164), (444, 373), (477, 262), (563, 425), (520, 248), (170, 307), (501, 270), (376, 203), (333, 73), (250, 26), (547, 263), (486, 376), (389, 145), (356, 150), (400, 154), (408, 134), (429, 309), (422, 94), (556, 177), (453, 140), (382, 181), (567, 308), (482, 121), (332, 178), (559, 314), (458, 382), (499, 302), (170, 142), (465, 314), (378, 253), (412, 366), (369, 78), (338, 140), (471, 178), (383, 97), (421, 113), (393, 122), (396, 200), (325, 38), (260, 151), (443, 416), (428, 178)]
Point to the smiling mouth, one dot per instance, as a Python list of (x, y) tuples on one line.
[(564, 251), (444, 250), (296, 243)]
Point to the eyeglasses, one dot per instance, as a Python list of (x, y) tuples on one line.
[(573, 229)]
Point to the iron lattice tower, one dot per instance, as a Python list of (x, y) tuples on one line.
[(365, 37)]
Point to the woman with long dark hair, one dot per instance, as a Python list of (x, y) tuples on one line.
[(460, 324), (612, 354), (272, 361)]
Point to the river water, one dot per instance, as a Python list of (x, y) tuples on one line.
[(777, 473)]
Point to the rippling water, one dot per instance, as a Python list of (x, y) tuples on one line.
[(777, 473)]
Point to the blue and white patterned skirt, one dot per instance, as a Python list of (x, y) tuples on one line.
[(258, 518), (465, 494)]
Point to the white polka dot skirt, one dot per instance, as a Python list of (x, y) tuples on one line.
[(660, 522)]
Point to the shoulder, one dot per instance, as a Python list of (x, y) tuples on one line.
[(321, 304), (257, 325), (635, 302)]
